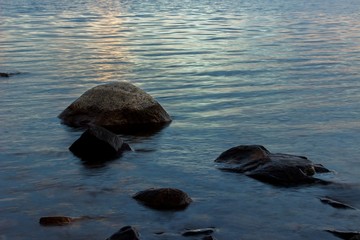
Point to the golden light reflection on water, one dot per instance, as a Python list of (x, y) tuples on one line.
[(101, 42)]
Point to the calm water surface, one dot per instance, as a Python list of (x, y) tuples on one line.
[(282, 73)]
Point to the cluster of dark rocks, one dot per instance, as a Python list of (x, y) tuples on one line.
[(117, 107)]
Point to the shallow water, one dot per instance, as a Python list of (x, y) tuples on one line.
[(283, 74)]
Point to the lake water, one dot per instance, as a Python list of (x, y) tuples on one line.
[(282, 73)]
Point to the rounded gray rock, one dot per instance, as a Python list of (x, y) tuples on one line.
[(114, 105)]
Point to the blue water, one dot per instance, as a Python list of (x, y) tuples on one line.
[(282, 73)]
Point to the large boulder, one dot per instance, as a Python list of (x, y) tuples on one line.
[(275, 168), (97, 144), (163, 198), (115, 105)]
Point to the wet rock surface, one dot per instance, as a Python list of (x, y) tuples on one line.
[(117, 105), (199, 231), (163, 198), (336, 203), (125, 233), (274, 168), (347, 235), (97, 144)]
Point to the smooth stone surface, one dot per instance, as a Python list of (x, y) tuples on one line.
[(274, 168), (163, 198), (116, 105), (98, 144)]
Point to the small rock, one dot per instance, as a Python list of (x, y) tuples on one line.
[(2, 74), (347, 235), (164, 198), (125, 233), (8, 74), (98, 144), (55, 221), (200, 231), (335, 203)]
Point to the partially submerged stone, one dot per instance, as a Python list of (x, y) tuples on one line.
[(119, 105), (125, 233), (209, 237), (163, 198), (8, 74), (347, 235), (98, 144), (62, 220), (55, 221), (198, 231), (336, 203), (275, 168), (3, 74)]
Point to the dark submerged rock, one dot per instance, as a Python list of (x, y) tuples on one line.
[(275, 168), (125, 233), (347, 235), (163, 198), (55, 221), (63, 220), (118, 105), (335, 203), (8, 74), (209, 237), (2, 74), (97, 144), (199, 231)]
